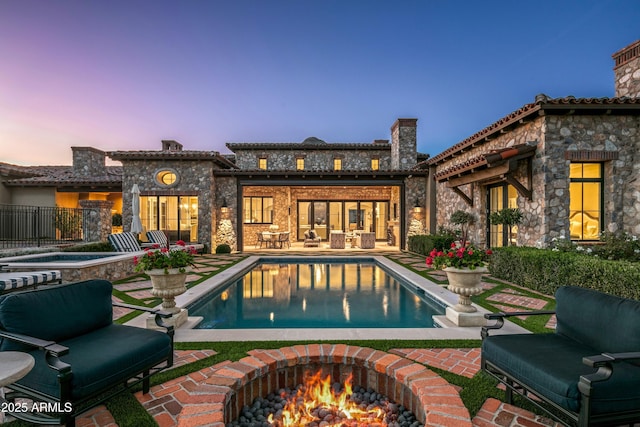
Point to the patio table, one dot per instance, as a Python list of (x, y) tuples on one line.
[(15, 365), (273, 237)]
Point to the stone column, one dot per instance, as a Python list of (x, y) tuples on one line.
[(627, 71), (96, 219)]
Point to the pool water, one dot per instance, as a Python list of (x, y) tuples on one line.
[(303, 295)]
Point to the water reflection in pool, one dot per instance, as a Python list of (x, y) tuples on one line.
[(336, 295)]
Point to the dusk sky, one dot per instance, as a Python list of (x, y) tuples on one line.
[(123, 75)]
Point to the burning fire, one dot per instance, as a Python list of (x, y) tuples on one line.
[(316, 401)]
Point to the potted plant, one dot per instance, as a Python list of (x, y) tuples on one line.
[(464, 220), (167, 270), (464, 265)]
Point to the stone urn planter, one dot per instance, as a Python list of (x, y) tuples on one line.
[(168, 287), (465, 282)]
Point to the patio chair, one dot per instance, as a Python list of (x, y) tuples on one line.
[(262, 240), (160, 238), (311, 239), (283, 239)]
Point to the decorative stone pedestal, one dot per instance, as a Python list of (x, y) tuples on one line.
[(465, 319), (177, 320)]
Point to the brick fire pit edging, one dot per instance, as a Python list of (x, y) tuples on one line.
[(216, 395)]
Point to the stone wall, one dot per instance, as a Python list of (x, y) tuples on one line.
[(96, 219), (315, 159)]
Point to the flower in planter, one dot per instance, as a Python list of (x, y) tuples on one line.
[(156, 258), (458, 256)]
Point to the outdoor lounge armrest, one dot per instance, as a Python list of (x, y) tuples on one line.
[(48, 346), (604, 363), (500, 316), (160, 314)]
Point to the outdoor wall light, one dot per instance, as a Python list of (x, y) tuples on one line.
[(417, 208), (224, 208)]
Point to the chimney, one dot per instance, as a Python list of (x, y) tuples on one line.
[(404, 144), (171, 145), (627, 71), (88, 161)]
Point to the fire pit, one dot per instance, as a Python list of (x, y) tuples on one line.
[(226, 389), (320, 403)]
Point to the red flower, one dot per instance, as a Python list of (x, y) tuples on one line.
[(433, 252), (450, 254), (164, 250), (489, 252), (429, 261), (135, 260), (180, 243), (453, 245)]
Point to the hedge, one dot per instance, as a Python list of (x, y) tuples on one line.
[(424, 243), (545, 271)]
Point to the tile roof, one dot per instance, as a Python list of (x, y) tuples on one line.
[(307, 146), (482, 161), (172, 155), (546, 105), (58, 176)]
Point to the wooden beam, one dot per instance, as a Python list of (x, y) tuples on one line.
[(521, 189), (479, 176), (466, 198)]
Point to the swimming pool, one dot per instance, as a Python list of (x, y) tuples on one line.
[(326, 294)]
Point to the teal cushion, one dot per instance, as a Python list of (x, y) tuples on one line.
[(57, 312), (101, 359), (551, 365), (604, 322)]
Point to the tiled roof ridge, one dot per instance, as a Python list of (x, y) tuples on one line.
[(307, 146), (540, 103)]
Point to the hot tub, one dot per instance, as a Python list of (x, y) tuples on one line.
[(76, 266)]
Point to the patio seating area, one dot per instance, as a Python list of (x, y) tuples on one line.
[(183, 400)]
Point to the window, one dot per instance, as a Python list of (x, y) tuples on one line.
[(262, 163), (375, 164), (258, 210), (177, 216), (167, 177), (337, 164), (300, 163), (585, 205)]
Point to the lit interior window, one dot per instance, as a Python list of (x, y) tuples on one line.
[(337, 164), (375, 164), (299, 163), (166, 177), (262, 163)]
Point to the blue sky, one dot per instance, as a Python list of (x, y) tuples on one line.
[(123, 75)]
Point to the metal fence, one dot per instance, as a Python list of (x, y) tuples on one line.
[(28, 226)]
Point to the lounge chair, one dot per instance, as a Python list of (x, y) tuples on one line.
[(124, 242), (11, 280), (311, 239), (160, 238)]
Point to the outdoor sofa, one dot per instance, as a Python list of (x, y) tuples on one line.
[(588, 370), (159, 237), (16, 280), (82, 357)]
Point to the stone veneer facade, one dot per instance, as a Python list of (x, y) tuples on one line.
[(627, 71)]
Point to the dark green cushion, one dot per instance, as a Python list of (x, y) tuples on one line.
[(57, 312), (101, 359), (551, 365), (604, 322)]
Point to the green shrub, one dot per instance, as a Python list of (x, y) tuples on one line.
[(90, 247), (223, 249), (546, 270), (424, 243)]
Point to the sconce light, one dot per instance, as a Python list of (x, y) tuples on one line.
[(417, 207), (224, 208)]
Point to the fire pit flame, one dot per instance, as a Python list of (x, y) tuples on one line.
[(317, 401)]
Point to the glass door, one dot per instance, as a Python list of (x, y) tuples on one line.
[(381, 218), (335, 216), (304, 218), (500, 197), (320, 219)]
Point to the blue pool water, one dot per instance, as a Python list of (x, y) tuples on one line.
[(303, 295)]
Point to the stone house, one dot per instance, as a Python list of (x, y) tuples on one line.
[(212, 198), (569, 164)]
